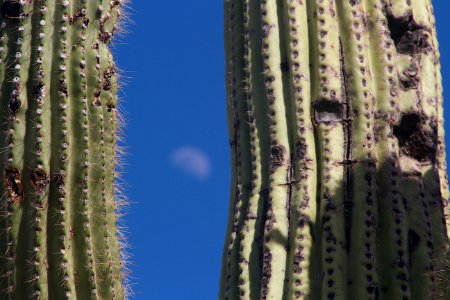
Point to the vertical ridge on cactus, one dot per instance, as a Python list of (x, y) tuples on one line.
[(339, 183), (58, 111)]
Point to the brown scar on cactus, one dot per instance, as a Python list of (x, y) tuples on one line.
[(39, 180), (13, 183), (277, 154)]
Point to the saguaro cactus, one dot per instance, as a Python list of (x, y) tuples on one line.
[(58, 120), (339, 182)]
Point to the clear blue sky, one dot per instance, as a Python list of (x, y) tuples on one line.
[(173, 99)]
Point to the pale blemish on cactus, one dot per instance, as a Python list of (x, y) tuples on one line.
[(58, 235), (339, 186)]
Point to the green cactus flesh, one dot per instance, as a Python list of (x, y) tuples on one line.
[(58, 121), (339, 187)]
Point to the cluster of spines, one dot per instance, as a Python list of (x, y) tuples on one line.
[(373, 67)]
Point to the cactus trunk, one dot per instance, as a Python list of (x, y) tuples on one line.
[(58, 96), (339, 185)]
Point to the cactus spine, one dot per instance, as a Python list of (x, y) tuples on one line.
[(58, 98), (339, 185)]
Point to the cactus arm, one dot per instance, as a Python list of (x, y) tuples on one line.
[(59, 235), (303, 205)]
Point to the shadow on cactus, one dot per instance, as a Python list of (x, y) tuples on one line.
[(58, 130)]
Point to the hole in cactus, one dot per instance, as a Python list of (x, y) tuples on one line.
[(415, 140), (277, 155), (327, 111), (39, 180), (13, 183), (409, 37), (10, 9)]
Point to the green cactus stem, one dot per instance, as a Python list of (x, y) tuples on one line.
[(339, 183), (58, 123)]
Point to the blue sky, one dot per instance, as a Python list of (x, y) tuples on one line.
[(173, 100)]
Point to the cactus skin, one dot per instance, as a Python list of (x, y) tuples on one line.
[(339, 183), (58, 99)]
